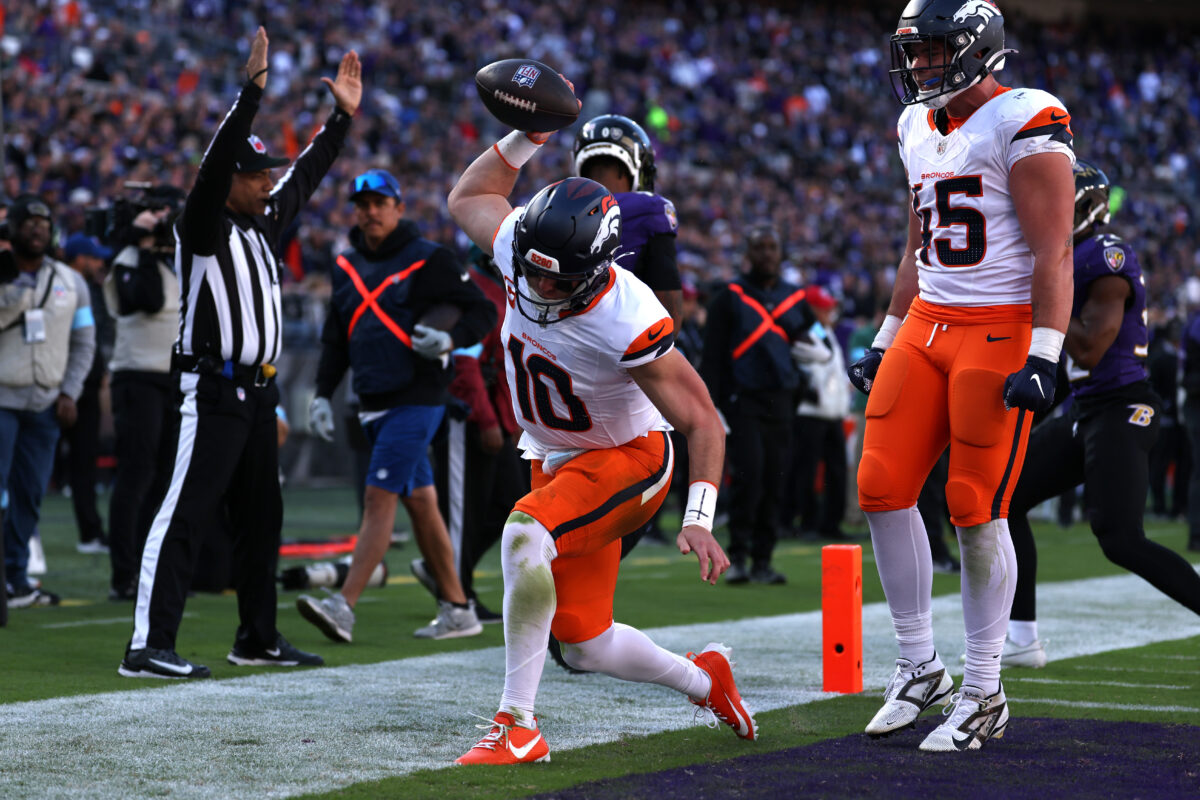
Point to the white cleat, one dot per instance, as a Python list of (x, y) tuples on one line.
[(973, 720), (1029, 655), (913, 689)]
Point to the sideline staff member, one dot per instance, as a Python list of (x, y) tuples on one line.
[(228, 453)]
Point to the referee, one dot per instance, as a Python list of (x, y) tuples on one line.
[(227, 453)]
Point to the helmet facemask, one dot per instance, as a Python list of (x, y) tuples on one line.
[(583, 286)]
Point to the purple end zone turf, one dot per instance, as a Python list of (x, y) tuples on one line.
[(1038, 759)]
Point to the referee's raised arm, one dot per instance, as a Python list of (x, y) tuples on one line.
[(200, 223)]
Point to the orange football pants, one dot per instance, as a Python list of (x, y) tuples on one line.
[(941, 383), (588, 505)]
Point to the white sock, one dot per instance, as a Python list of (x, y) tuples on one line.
[(526, 550), (989, 581), (905, 567), (1022, 633), (627, 653)]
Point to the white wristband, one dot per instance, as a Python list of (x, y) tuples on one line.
[(515, 149), (1046, 343), (701, 505), (887, 332)]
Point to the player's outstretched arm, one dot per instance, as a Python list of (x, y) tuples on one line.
[(677, 391), (1095, 329)]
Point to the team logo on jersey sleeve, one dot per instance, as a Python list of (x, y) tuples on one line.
[(1141, 416), (669, 212), (1115, 258)]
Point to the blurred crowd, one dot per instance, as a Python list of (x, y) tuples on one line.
[(758, 113)]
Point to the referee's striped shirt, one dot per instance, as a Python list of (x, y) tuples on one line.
[(228, 271)]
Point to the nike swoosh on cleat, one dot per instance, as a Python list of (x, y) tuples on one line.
[(521, 752), (742, 727), (178, 670), (273, 653), (963, 744)]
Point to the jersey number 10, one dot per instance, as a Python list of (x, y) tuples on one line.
[(539, 369)]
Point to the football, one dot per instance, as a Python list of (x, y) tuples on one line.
[(527, 95), (442, 316)]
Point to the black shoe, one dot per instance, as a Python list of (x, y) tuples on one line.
[(150, 662), (30, 597), (736, 573), (556, 654), (486, 615), (123, 595), (283, 654), (765, 574)]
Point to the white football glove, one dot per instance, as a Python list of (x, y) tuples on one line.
[(430, 342), (320, 418), (810, 353)]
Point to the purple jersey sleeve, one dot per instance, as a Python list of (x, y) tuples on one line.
[(644, 216), (1125, 360)]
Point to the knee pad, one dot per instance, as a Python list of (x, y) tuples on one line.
[(874, 479), (977, 414), (962, 499)]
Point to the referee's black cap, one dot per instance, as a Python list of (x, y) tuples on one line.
[(252, 156)]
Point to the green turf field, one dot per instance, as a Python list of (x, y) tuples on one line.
[(380, 729)]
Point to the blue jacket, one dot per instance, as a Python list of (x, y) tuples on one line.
[(372, 336)]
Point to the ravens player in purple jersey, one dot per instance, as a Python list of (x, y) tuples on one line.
[(1104, 439), (615, 152)]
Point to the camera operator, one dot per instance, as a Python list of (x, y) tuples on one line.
[(142, 291)]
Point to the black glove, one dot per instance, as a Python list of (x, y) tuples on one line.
[(1031, 387), (862, 372)]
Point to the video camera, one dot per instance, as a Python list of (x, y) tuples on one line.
[(113, 224)]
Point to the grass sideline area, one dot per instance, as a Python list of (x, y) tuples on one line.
[(74, 649)]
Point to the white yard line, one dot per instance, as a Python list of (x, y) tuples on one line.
[(286, 733)]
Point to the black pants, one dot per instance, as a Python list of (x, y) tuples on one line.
[(227, 456), (146, 422), (1106, 446), (476, 492), (83, 447), (758, 456), (816, 441), (1171, 448)]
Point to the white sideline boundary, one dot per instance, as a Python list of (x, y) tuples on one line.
[(287, 733)]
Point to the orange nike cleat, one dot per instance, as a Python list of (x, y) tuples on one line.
[(507, 743), (723, 699)]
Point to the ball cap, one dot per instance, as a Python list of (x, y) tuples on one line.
[(379, 181), (252, 156), (818, 297), (26, 206), (80, 244)]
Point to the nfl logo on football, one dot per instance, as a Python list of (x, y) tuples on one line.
[(526, 75)]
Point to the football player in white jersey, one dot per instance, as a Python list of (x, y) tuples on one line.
[(596, 384), (968, 351)]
